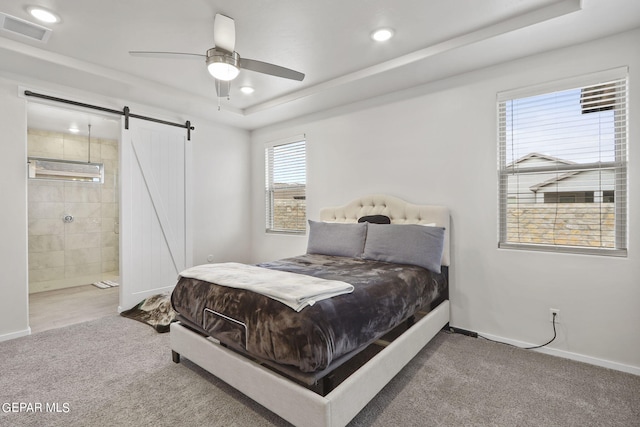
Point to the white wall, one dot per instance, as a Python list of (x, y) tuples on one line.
[(438, 146), (221, 196), (221, 199), (13, 215)]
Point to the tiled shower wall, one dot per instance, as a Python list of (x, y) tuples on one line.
[(86, 250)]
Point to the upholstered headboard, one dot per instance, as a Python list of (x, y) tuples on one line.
[(399, 211)]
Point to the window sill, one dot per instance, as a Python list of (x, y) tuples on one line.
[(621, 253), (286, 233)]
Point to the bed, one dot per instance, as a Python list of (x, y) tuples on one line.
[(322, 363)]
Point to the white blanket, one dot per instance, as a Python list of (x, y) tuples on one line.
[(295, 290)]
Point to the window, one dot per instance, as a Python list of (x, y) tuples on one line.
[(285, 186), (563, 166)]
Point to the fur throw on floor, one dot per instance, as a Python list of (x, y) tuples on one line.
[(155, 311)]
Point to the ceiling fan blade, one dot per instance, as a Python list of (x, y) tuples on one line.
[(271, 69), (222, 88), (224, 33), (167, 55)]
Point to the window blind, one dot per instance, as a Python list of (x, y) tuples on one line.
[(563, 168), (286, 177)]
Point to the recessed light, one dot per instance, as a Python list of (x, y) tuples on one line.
[(247, 90), (43, 15), (381, 35)]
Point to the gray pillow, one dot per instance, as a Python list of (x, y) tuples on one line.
[(337, 239), (405, 244)]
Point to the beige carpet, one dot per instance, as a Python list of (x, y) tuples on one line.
[(118, 372)]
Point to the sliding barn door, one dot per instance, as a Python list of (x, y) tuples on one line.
[(155, 209)]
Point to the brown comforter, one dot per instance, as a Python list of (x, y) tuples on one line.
[(385, 295)]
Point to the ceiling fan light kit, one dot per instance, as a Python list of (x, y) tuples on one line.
[(223, 66)]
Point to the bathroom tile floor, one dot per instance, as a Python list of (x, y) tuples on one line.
[(63, 307)]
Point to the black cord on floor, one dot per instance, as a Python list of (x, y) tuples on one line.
[(553, 321)]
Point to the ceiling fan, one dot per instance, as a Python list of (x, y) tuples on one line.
[(223, 62)]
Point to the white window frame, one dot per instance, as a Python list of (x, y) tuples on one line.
[(270, 213), (619, 165)]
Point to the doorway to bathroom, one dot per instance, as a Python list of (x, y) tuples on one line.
[(73, 209)]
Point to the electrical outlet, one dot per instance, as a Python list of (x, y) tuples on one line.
[(557, 313)]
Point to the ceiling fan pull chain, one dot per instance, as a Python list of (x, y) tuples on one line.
[(217, 92)]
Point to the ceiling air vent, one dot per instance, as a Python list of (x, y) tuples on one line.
[(13, 25)]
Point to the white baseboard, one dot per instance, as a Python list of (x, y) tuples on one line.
[(568, 355), (13, 335)]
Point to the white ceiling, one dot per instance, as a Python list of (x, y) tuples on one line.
[(327, 40)]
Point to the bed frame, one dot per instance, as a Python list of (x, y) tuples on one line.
[(294, 402)]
